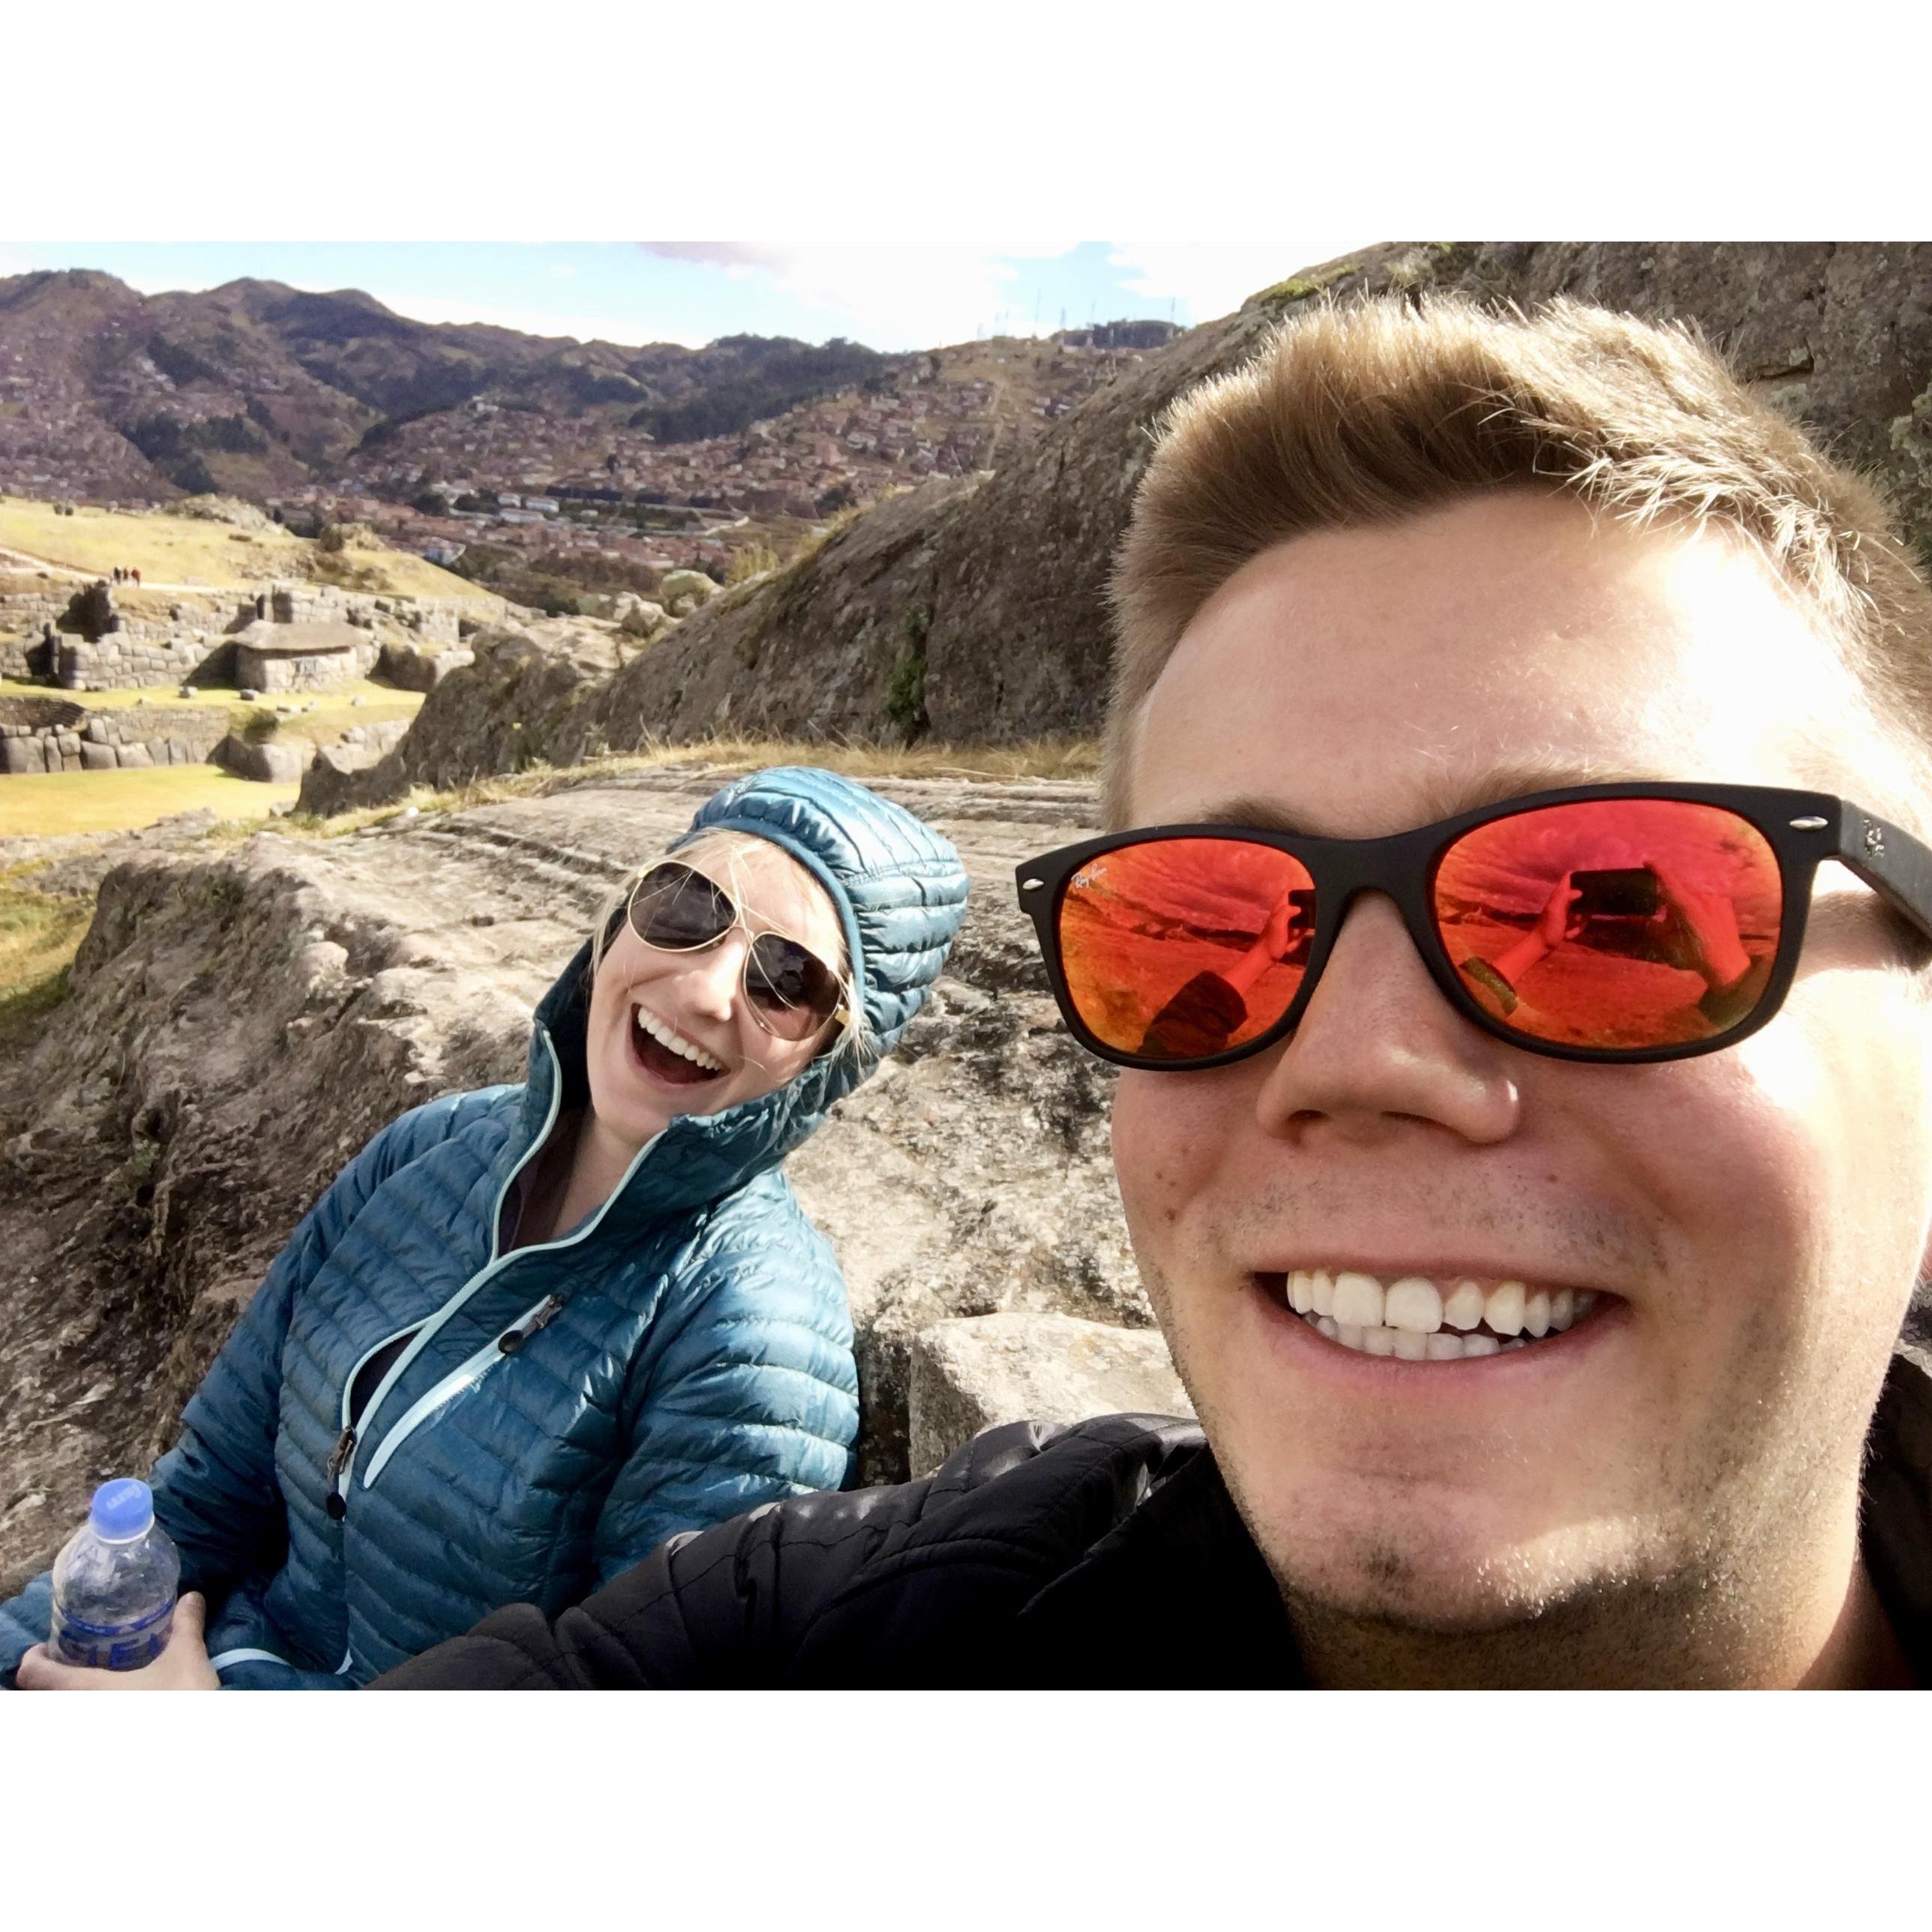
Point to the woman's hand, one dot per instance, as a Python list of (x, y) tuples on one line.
[(1702, 927), (1555, 925), (183, 1665), (1270, 947)]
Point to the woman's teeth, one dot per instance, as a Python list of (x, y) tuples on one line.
[(1415, 1320), (674, 1042)]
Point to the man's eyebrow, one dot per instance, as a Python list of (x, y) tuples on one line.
[(1447, 795)]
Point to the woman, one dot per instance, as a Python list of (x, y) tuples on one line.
[(532, 1331)]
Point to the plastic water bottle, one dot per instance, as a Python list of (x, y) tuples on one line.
[(115, 1583)]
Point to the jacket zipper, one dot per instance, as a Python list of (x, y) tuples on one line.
[(342, 1459), (345, 1443), (458, 1379)]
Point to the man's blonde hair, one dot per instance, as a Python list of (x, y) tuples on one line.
[(1362, 414)]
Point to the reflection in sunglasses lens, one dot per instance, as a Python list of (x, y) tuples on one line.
[(792, 987), (675, 906), (1612, 923), (1177, 948)]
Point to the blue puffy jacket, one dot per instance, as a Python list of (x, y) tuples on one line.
[(683, 1355)]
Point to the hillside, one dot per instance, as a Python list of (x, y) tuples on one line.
[(257, 389), (976, 609), (185, 553), (332, 407)]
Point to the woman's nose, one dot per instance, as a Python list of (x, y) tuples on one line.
[(712, 981)]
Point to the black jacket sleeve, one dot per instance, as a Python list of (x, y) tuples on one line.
[(920, 1583)]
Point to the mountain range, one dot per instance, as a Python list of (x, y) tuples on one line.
[(255, 388)]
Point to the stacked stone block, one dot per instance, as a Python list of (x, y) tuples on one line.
[(123, 660), (39, 735)]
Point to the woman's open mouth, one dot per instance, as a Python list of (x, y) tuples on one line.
[(663, 1053), (1417, 1319)]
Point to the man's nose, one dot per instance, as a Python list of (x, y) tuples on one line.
[(1378, 1048)]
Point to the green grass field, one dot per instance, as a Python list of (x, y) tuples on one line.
[(197, 554), (335, 710), (43, 806), (40, 933)]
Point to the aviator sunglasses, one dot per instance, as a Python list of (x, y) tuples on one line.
[(1620, 922), (790, 990)]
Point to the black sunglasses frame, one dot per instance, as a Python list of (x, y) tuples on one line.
[(836, 1019), (1802, 829)]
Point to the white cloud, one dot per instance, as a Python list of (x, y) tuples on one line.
[(1214, 278), (891, 295)]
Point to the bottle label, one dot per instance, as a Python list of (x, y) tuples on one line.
[(125, 1646)]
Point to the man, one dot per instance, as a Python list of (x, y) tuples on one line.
[(1535, 1240), (1530, 1185)]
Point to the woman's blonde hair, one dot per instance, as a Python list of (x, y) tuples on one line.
[(716, 853), (1362, 414)]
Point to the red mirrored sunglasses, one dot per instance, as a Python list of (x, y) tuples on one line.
[(1616, 922)]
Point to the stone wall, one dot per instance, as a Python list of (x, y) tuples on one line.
[(44, 735), (261, 669), (430, 620), (24, 617), (125, 660)]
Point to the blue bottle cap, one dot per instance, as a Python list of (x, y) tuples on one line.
[(122, 1510)]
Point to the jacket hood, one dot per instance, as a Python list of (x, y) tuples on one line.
[(900, 892)]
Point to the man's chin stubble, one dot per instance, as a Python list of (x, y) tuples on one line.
[(1646, 1607)]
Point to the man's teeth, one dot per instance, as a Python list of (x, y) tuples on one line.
[(1417, 1320), (663, 1035)]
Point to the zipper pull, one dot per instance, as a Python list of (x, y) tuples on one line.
[(511, 1340), (338, 1458)]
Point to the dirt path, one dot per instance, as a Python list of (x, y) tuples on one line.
[(20, 559)]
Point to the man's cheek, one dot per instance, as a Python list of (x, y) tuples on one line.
[(1163, 1162)]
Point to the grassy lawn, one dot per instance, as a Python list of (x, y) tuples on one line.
[(335, 710), (333, 714), (40, 805), (40, 933), (189, 551)]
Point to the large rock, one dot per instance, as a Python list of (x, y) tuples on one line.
[(684, 590), (269, 760), (23, 756), (513, 706), (973, 1373), (409, 669), (636, 616)]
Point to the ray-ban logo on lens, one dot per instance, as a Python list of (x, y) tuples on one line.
[(1082, 880)]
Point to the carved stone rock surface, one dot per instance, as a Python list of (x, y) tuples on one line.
[(971, 1374)]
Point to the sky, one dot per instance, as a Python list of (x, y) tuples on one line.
[(888, 295)]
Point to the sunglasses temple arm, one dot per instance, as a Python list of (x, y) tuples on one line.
[(1892, 862)]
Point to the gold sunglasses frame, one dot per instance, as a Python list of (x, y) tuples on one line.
[(840, 1016)]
